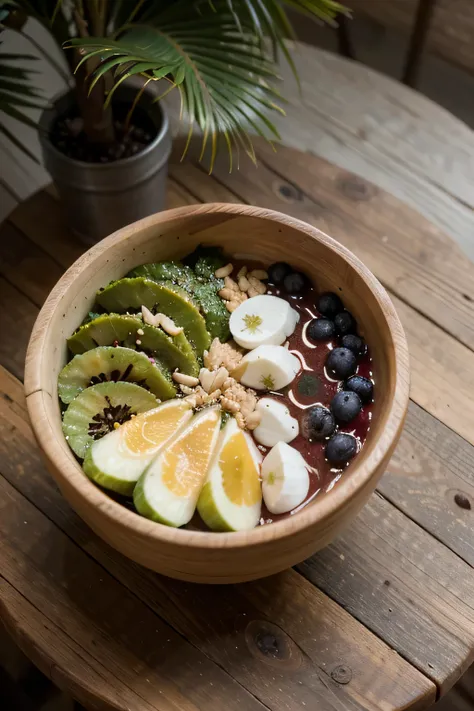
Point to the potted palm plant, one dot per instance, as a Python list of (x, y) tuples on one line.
[(106, 141)]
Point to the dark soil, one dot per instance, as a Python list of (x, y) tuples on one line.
[(68, 136)]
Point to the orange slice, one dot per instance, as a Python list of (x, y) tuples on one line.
[(232, 496), (117, 460), (169, 489)]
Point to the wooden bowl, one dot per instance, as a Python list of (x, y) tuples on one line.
[(267, 236)]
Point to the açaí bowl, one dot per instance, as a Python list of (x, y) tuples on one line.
[(267, 236)]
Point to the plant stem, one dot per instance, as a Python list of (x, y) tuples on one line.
[(98, 120)]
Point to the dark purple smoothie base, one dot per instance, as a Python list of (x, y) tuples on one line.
[(313, 379)]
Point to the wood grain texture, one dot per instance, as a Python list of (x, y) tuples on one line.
[(451, 29), (96, 612), (202, 556), (281, 638), (402, 588), (386, 133), (17, 316), (431, 479)]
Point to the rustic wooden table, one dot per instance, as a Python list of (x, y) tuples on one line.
[(383, 619)]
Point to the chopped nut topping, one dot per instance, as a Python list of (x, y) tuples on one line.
[(184, 379), (166, 323), (258, 285), (242, 272), (224, 271), (226, 294), (230, 405), (186, 390), (227, 354), (253, 420), (244, 284)]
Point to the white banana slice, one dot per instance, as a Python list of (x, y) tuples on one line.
[(276, 424), (263, 320), (285, 479), (267, 368)]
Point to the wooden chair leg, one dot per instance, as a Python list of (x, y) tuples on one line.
[(344, 40), (417, 41)]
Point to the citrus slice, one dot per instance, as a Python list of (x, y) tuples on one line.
[(231, 498), (169, 489), (117, 460)]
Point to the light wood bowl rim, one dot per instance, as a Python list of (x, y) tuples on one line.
[(323, 508)]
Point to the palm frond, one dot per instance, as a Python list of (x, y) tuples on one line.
[(16, 93), (224, 78)]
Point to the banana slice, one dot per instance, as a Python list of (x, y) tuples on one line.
[(118, 459), (276, 424), (169, 489), (231, 499), (267, 368), (285, 479), (263, 320)]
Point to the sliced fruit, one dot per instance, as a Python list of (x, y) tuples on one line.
[(106, 363), (95, 411), (263, 320), (267, 368), (123, 329), (276, 424), (204, 292), (231, 497), (117, 460), (285, 479), (131, 294), (173, 271), (104, 330), (169, 489)]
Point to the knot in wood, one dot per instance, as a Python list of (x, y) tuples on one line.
[(289, 192), (356, 188), (342, 674), (462, 501), (269, 643)]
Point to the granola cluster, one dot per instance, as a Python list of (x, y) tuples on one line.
[(248, 284), (217, 384)]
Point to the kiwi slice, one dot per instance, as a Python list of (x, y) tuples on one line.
[(173, 271), (94, 412), (109, 363), (203, 288), (104, 330), (130, 294), (122, 329)]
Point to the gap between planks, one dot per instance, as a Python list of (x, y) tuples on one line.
[(145, 584), (173, 588)]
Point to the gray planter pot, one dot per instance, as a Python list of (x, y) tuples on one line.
[(99, 198)]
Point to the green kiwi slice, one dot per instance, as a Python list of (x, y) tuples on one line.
[(94, 412), (122, 329), (109, 363), (203, 288), (130, 294)]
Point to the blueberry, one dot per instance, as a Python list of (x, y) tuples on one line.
[(294, 283), (340, 448), (346, 405), (321, 329), (362, 386), (354, 343), (329, 304), (317, 423), (345, 323), (278, 271), (341, 363)]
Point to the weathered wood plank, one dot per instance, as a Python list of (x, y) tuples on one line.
[(17, 316), (27, 266), (125, 639), (431, 479), (409, 255), (404, 585), (386, 133), (451, 29), (257, 632)]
